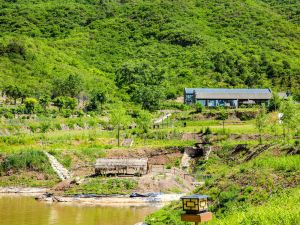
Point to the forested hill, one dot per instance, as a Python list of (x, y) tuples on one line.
[(136, 48)]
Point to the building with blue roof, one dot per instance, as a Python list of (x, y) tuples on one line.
[(227, 97)]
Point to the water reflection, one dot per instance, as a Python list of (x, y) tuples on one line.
[(26, 211)]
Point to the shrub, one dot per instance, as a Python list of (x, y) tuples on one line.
[(80, 123), (45, 127), (102, 186), (66, 113), (79, 113), (207, 131), (33, 127), (92, 123), (8, 115), (246, 115), (57, 126), (30, 104), (26, 160), (71, 123), (199, 107)]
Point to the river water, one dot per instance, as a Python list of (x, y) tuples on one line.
[(16, 210)]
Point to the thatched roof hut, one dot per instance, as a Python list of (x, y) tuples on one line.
[(127, 166)]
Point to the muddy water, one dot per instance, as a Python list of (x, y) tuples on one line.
[(15, 210)]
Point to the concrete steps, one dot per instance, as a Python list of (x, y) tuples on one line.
[(59, 169), (185, 161), (208, 153)]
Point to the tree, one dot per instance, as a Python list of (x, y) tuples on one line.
[(261, 122), (71, 86), (24, 92), (74, 85), (65, 102), (13, 92), (30, 104), (59, 102), (149, 96), (290, 116), (223, 116), (97, 100), (44, 101), (275, 103), (70, 103), (136, 73), (119, 119), (143, 121)]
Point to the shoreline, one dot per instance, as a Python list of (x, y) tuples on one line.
[(23, 190), (158, 201), (113, 201)]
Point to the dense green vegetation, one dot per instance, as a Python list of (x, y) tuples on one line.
[(282, 208), (27, 160), (287, 8), (144, 51), (26, 168)]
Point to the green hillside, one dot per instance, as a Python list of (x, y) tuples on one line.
[(135, 48), (261, 190), (138, 45), (290, 9)]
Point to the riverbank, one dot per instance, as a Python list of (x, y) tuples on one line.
[(22, 190), (119, 200), (109, 200)]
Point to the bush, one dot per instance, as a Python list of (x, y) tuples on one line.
[(207, 131), (102, 186), (30, 104), (66, 113), (199, 107), (246, 115), (79, 113), (45, 126), (57, 126), (71, 123), (30, 160), (33, 127)]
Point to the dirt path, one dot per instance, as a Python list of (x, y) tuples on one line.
[(162, 118)]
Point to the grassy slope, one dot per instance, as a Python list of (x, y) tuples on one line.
[(279, 209), (26, 169), (181, 39), (247, 192)]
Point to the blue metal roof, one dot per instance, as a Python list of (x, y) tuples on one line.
[(228, 90)]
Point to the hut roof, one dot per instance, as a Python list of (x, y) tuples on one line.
[(105, 162), (228, 90), (227, 93)]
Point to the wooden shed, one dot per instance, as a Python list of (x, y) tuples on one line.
[(117, 166)]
